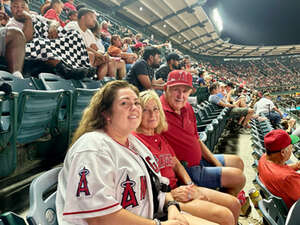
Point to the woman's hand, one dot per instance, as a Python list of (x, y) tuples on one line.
[(174, 214)]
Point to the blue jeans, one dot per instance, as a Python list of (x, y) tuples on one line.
[(206, 174), (274, 117)]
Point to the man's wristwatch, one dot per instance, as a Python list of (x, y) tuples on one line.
[(174, 203), (157, 221)]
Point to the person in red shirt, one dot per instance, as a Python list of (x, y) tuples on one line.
[(54, 12), (205, 168), (280, 179), (206, 202), (69, 5)]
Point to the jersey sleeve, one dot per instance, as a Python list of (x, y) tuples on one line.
[(90, 185)]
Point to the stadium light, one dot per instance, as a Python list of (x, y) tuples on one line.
[(141, 8), (217, 19)]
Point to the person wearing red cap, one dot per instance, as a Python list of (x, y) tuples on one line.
[(204, 168), (281, 179)]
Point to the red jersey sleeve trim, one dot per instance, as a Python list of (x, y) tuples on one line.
[(90, 211)]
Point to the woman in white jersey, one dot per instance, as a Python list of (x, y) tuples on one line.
[(109, 176)]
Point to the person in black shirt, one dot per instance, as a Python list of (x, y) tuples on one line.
[(141, 73), (165, 69)]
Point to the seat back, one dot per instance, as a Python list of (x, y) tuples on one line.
[(10, 218), (293, 218), (91, 84), (270, 212), (280, 204), (54, 82), (43, 211)]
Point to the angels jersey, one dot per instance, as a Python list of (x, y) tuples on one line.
[(101, 176)]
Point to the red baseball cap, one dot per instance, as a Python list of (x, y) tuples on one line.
[(180, 77), (276, 140)]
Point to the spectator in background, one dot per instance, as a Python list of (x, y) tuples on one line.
[(3, 19), (201, 80), (12, 47), (141, 73), (267, 107), (5, 7), (172, 64), (72, 16), (204, 168), (86, 21), (54, 12), (115, 50), (244, 113), (127, 41), (281, 179), (69, 6), (116, 65), (105, 34), (186, 65)]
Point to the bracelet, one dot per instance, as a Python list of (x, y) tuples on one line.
[(157, 221), (174, 203), (190, 183)]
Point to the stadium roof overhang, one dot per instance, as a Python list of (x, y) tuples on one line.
[(185, 23)]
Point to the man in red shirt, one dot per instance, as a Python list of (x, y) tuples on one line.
[(279, 178), (205, 169)]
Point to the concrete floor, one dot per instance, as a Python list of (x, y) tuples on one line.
[(240, 144)]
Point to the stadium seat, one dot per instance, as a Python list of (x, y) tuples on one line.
[(270, 212), (75, 101), (293, 217), (265, 193), (30, 115), (10, 218), (43, 211)]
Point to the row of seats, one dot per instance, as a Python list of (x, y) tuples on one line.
[(273, 208), (211, 122), (44, 110)]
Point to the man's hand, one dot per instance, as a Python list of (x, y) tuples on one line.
[(52, 32), (26, 16)]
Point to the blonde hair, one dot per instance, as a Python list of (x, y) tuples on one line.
[(94, 116), (145, 97)]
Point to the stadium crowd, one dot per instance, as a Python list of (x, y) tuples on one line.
[(122, 124)]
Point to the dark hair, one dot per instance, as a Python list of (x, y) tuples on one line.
[(230, 84), (83, 12), (148, 51), (95, 30), (213, 87), (80, 6), (113, 38), (71, 13)]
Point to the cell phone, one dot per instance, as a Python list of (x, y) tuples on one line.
[(284, 115)]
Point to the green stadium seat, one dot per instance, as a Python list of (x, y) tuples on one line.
[(75, 102), (270, 212), (265, 193), (29, 115), (10, 218)]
